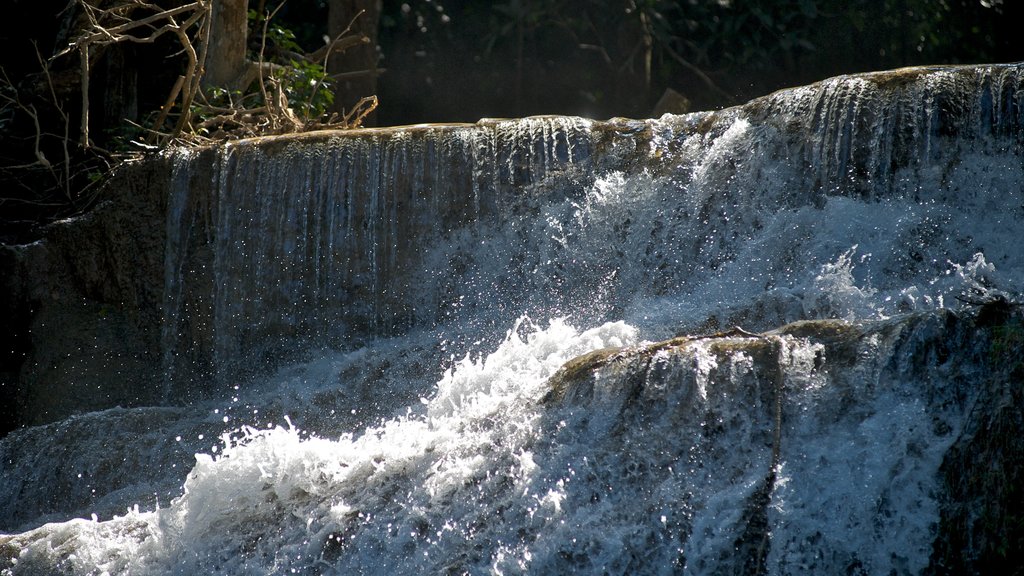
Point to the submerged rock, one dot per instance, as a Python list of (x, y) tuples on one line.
[(829, 446), (907, 428)]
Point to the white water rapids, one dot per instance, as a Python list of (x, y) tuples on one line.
[(413, 430)]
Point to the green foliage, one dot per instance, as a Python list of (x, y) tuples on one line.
[(308, 88), (277, 35), (305, 84)]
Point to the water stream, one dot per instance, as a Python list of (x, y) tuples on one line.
[(382, 324)]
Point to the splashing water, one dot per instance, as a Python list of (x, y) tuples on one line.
[(567, 438)]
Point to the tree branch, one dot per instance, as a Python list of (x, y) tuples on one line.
[(100, 33), (698, 73)]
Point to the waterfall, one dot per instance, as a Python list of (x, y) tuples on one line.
[(759, 340), (319, 242)]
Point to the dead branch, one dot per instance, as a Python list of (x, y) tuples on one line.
[(357, 74), (263, 85), (64, 117), (192, 76), (114, 25), (340, 44), (29, 109), (100, 34), (698, 73), (360, 111), (166, 108), (200, 121), (83, 52)]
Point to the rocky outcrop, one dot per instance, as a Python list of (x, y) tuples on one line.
[(83, 305), (828, 414), (201, 268), (198, 269)]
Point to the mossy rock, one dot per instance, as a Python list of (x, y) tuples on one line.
[(580, 371)]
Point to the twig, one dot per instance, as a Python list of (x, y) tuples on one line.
[(63, 115), (698, 73), (339, 44), (117, 33), (30, 110), (83, 53), (263, 47), (361, 110), (102, 35), (357, 74), (190, 77), (162, 117)]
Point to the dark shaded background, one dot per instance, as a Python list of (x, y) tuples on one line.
[(460, 60)]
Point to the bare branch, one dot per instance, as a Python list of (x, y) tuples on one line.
[(339, 44), (117, 33), (360, 111), (83, 53), (191, 25), (100, 31), (698, 73), (162, 117), (41, 159), (64, 117), (263, 85)]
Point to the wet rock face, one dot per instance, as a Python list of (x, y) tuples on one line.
[(197, 270), (326, 239), (85, 304), (981, 530), (850, 412), (201, 269), (707, 409), (102, 462)]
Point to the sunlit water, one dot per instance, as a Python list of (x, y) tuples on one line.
[(437, 447)]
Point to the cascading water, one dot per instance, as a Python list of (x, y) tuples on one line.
[(463, 349), (317, 244)]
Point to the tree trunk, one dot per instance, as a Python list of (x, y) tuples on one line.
[(120, 81), (359, 63), (226, 66)]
